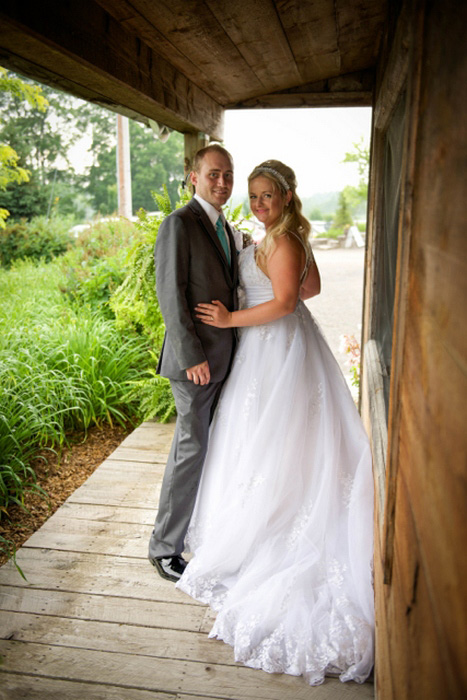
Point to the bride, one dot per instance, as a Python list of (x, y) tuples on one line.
[(281, 534)]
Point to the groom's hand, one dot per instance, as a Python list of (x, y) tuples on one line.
[(199, 374)]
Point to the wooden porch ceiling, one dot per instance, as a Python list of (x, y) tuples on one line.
[(183, 62)]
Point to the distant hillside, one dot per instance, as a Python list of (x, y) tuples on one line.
[(325, 202)]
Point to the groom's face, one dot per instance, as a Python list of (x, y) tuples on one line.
[(214, 180)]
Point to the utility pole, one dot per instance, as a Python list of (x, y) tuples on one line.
[(123, 167)]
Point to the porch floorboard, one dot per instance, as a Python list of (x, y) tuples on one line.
[(93, 620)]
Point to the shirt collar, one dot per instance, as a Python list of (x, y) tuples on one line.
[(212, 213)]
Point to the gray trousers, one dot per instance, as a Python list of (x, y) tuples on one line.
[(195, 406)]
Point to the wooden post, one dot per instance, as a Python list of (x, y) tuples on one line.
[(193, 143), (123, 167)]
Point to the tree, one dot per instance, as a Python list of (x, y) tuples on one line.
[(342, 217), (153, 163), (40, 131), (41, 140), (11, 172), (316, 214), (356, 197)]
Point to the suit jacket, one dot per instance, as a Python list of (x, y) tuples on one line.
[(191, 267)]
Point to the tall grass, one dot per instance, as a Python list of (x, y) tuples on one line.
[(62, 368)]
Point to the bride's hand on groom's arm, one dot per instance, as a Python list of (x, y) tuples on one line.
[(214, 314)]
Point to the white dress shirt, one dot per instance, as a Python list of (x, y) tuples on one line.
[(213, 214)]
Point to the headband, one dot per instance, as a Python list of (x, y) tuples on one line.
[(280, 178)]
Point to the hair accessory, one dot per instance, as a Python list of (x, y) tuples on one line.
[(266, 169)]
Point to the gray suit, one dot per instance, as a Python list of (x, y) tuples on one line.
[(191, 267)]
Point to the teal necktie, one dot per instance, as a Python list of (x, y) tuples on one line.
[(223, 238)]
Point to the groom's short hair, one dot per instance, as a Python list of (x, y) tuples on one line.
[(199, 155)]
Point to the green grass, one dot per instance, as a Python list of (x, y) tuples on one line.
[(62, 368)]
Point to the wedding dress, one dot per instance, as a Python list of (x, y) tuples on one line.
[(282, 528)]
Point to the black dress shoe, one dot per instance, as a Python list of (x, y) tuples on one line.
[(170, 568)]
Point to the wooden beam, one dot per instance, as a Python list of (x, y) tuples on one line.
[(350, 90), (81, 49), (306, 99)]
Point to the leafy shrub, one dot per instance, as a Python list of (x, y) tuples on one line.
[(105, 237), (61, 369), (96, 266), (39, 239)]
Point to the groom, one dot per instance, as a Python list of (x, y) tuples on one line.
[(196, 260)]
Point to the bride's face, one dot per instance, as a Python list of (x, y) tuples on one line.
[(266, 201)]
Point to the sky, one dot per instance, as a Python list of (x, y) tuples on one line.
[(312, 141)]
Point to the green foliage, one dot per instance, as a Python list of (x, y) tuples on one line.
[(135, 302), (10, 170), (342, 217), (153, 163), (96, 265), (155, 166), (154, 395), (61, 369), (360, 155), (42, 139), (7, 547), (324, 202), (356, 197), (16, 87), (38, 239), (315, 214)]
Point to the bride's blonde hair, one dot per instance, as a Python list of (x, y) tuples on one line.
[(291, 220)]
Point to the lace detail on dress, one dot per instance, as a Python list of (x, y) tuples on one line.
[(265, 332), (335, 573), (347, 485), (299, 525), (251, 393), (316, 401)]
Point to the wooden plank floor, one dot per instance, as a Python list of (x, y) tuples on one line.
[(93, 620)]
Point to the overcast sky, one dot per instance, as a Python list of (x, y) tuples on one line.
[(311, 141)]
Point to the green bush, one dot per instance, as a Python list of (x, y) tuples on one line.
[(37, 239), (61, 369), (96, 266)]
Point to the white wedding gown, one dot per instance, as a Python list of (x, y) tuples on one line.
[(282, 528)]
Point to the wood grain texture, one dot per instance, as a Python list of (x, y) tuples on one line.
[(181, 63), (421, 610), (133, 671), (94, 620), (85, 51)]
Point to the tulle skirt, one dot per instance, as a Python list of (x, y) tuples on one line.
[(282, 528)]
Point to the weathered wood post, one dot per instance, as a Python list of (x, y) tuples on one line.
[(123, 167), (193, 143)]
